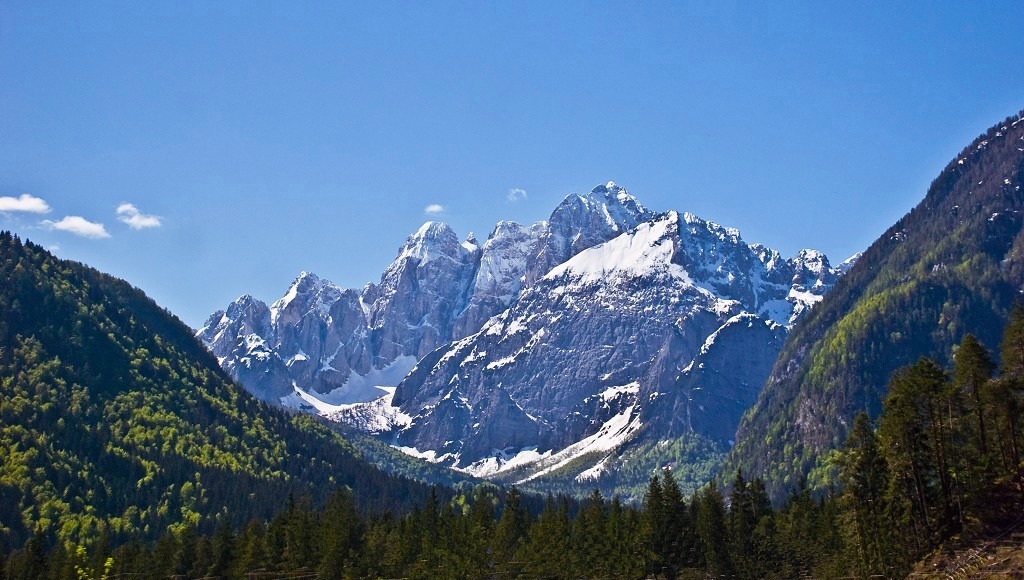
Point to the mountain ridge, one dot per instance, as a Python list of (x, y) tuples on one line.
[(954, 264), (117, 422), (591, 236)]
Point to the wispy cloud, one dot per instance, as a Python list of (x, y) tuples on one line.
[(433, 209), (24, 202), (516, 194), (79, 226), (136, 220)]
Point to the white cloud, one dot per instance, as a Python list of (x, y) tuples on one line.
[(79, 226), (130, 215), (516, 194), (24, 202), (434, 209)]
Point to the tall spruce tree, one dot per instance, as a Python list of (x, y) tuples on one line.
[(864, 476), (972, 371)]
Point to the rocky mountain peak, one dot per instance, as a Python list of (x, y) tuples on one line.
[(604, 318), (307, 293), (606, 207), (433, 240)]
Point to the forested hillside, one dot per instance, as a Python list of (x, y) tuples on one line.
[(116, 423), (954, 265)]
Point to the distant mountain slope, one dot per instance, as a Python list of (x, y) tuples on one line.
[(556, 344), (664, 332), (114, 417), (320, 345), (953, 265)]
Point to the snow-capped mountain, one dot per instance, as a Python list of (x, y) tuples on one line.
[(320, 345), (574, 337), (668, 329)]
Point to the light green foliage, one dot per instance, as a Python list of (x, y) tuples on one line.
[(950, 267), (114, 418)]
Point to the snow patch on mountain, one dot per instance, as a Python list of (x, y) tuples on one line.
[(544, 345), (374, 417), (360, 388), (647, 250), (612, 434)]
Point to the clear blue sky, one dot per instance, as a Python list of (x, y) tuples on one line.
[(274, 137)]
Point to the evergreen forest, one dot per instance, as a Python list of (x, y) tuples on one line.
[(128, 454)]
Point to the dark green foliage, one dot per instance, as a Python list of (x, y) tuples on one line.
[(115, 423), (952, 266), (921, 478), (712, 533), (973, 370), (865, 477)]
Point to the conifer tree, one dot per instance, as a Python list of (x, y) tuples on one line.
[(864, 477), (653, 527), (547, 550), (510, 531), (340, 531), (1007, 393), (972, 371), (712, 531), (33, 560), (223, 546), (252, 548), (591, 546), (678, 536)]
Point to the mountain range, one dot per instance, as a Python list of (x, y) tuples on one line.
[(556, 350), (585, 351)]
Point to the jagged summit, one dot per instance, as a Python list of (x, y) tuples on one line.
[(571, 335), (848, 263), (614, 197), (666, 329), (609, 205), (433, 240), (650, 248)]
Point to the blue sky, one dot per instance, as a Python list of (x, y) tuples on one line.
[(254, 140)]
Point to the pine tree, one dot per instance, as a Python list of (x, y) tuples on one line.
[(510, 531), (678, 536), (653, 526), (973, 370), (908, 432), (547, 550), (33, 559), (864, 477), (223, 545), (712, 531), (1008, 393), (340, 532), (299, 549), (203, 558), (185, 556), (252, 548), (591, 545)]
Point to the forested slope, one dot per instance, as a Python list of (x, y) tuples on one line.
[(116, 422), (953, 265)]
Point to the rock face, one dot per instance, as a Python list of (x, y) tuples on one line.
[(668, 329), (601, 327), (320, 345)]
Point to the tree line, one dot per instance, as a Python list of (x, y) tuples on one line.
[(943, 439), (221, 495)]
